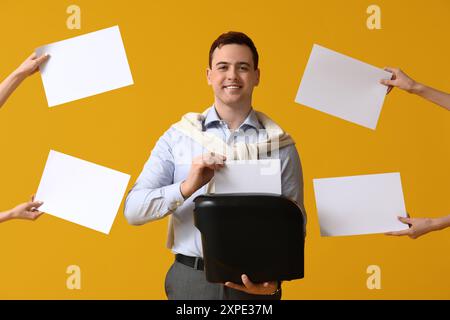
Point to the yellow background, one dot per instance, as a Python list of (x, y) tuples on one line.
[(167, 45)]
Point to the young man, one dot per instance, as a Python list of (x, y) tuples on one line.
[(27, 210), (186, 156)]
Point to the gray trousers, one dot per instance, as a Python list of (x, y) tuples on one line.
[(185, 283)]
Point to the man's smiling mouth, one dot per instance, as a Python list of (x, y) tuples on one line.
[(233, 86)]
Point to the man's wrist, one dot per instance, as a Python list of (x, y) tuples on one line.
[(185, 190)]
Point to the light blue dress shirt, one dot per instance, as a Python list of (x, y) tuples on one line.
[(157, 194)]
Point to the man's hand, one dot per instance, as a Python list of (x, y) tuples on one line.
[(201, 172), (266, 288), (28, 210), (31, 65), (418, 227), (400, 80)]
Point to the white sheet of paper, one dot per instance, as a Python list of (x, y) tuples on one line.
[(84, 66), (249, 176), (81, 192), (343, 87), (360, 204)]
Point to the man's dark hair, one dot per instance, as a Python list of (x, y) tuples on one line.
[(233, 37)]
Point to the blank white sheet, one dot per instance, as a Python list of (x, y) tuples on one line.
[(249, 176), (360, 204), (343, 87), (81, 192), (84, 66)]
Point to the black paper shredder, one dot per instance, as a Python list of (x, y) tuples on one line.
[(260, 235)]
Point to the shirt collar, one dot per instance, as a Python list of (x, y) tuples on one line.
[(211, 117), (251, 120)]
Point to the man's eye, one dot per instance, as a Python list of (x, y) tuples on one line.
[(222, 68), (244, 68)]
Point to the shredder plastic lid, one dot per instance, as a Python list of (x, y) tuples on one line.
[(260, 235)]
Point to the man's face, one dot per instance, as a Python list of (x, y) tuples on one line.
[(232, 74)]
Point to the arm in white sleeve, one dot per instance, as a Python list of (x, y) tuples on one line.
[(154, 195)]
